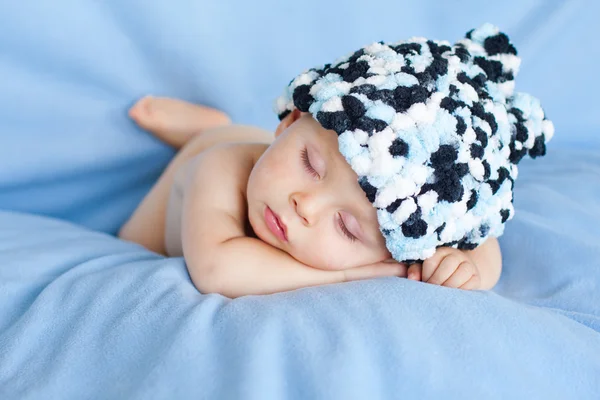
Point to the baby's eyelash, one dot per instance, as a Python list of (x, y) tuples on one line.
[(345, 230), (309, 168), (306, 161)]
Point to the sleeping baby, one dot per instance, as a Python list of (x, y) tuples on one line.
[(396, 160)]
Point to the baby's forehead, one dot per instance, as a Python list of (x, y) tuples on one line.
[(326, 140)]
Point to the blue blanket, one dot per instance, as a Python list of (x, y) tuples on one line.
[(85, 315)]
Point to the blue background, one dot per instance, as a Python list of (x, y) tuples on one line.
[(85, 315)]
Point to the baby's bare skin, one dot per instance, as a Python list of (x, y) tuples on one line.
[(202, 134), (190, 129)]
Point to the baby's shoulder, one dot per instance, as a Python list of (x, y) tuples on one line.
[(241, 154), (240, 141), (227, 163)]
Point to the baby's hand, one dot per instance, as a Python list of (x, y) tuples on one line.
[(447, 267)]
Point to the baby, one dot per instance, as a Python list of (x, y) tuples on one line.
[(398, 160)]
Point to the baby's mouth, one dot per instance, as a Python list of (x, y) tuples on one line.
[(275, 225)]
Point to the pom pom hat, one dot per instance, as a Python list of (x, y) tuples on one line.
[(434, 132)]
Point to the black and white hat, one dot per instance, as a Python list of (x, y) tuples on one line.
[(434, 132)]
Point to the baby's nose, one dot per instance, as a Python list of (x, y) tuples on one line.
[(307, 207)]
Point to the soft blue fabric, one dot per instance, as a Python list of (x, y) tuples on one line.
[(84, 315)]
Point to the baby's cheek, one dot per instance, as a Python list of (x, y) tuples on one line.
[(313, 259), (327, 258), (325, 251)]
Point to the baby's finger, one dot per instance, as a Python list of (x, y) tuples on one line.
[(463, 273), (472, 284), (431, 264), (428, 268), (446, 268), (414, 272)]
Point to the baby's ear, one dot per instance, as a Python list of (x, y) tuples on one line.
[(493, 52), (287, 121)]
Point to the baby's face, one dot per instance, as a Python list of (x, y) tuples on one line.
[(304, 180)]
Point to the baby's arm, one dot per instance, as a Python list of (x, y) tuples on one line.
[(219, 256), (465, 269)]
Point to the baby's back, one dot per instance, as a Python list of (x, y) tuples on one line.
[(237, 172)]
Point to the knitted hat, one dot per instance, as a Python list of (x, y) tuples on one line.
[(434, 132)]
